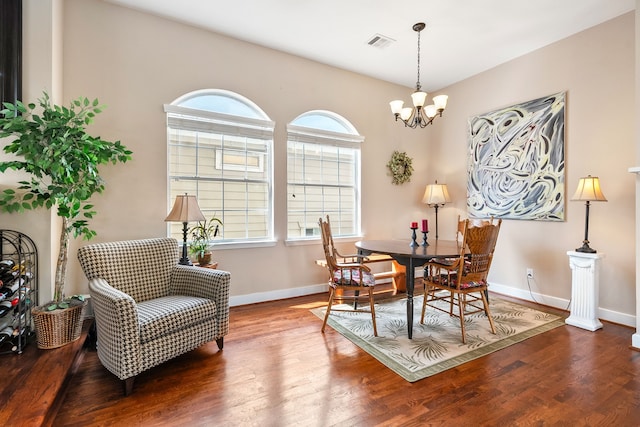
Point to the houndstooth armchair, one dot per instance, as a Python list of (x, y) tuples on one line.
[(148, 308)]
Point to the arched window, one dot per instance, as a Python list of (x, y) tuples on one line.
[(323, 175), (220, 149)]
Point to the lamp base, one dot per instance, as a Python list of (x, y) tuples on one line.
[(586, 249), (185, 259)]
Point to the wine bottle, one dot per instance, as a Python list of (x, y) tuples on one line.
[(23, 292), (9, 276), (7, 321), (7, 306), (6, 264), (6, 334), (6, 293)]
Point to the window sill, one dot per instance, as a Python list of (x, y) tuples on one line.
[(318, 240), (244, 245)]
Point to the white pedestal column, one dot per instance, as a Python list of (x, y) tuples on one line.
[(585, 273)]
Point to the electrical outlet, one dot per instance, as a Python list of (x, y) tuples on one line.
[(530, 273)]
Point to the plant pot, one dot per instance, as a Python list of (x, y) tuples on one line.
[(205, 259), (58, 327)]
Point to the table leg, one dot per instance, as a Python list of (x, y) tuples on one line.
[(410, 284)]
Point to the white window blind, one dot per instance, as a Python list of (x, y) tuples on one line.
[(323, 175)]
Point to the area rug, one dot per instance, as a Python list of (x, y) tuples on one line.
[(437, 344)]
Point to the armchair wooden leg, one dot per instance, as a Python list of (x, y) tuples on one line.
[(128, 385), (220, 342)]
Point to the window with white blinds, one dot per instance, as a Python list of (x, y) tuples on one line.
[(323, 175), (220, 149)]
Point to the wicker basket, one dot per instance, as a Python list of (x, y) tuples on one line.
[(58, 327)]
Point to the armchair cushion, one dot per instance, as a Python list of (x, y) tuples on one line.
[(166, 315)]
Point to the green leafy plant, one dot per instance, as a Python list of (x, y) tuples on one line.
[(62, 159), (202, 234), (65, 303)]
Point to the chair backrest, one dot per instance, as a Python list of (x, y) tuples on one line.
[(139, 268), (479, 243), (474, 223), (460, 229), (327, 244)]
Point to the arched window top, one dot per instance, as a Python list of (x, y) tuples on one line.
[(221, 101), (325, 120)]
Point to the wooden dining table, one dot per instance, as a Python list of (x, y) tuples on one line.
[(411, 258)]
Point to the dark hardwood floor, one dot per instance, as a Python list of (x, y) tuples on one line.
[(277, 369)]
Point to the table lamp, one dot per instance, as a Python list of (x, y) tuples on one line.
[(185, 209), (588, 191), (436, 195)]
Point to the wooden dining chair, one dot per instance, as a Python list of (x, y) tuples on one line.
[(350, 280), (464, 282)]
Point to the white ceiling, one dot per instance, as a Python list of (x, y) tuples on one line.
[(462, 38)]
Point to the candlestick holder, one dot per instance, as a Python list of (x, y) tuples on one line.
[(413, 243), (424, 238)]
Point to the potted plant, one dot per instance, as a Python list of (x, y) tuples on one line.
[(52, 146), (202, 234)]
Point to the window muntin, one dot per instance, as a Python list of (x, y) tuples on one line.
[(323, 175), (225, 160)]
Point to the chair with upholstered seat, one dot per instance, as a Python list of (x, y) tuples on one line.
[(464, 281), (347, 280)]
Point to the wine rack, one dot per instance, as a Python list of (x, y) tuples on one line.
[(20, 249)]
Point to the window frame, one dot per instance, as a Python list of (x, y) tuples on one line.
[(350, 139), (259, 127)]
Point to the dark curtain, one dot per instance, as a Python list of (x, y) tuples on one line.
[(10, 50)]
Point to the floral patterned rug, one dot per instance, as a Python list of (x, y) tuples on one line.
[(437, 344)]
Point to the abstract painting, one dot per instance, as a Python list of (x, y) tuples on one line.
[(516, 161)]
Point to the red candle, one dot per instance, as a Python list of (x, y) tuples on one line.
[(425, 226), (414, 225)]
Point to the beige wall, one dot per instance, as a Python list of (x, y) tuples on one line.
[(596, 69), (135, 63)]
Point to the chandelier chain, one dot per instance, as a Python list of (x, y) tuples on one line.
[(418, 87)]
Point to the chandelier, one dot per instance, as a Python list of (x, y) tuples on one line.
[(419, 115)]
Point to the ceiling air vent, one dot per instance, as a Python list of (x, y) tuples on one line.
[(380, 41)]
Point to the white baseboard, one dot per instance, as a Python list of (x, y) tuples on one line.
[(276, 295), (562, 304), (282, 294)]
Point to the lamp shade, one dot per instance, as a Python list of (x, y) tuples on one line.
[(185, 209), (419, 97), (440, 101), (589, 190), (436, 194)]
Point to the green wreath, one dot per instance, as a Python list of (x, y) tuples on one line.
[(400, 167)]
